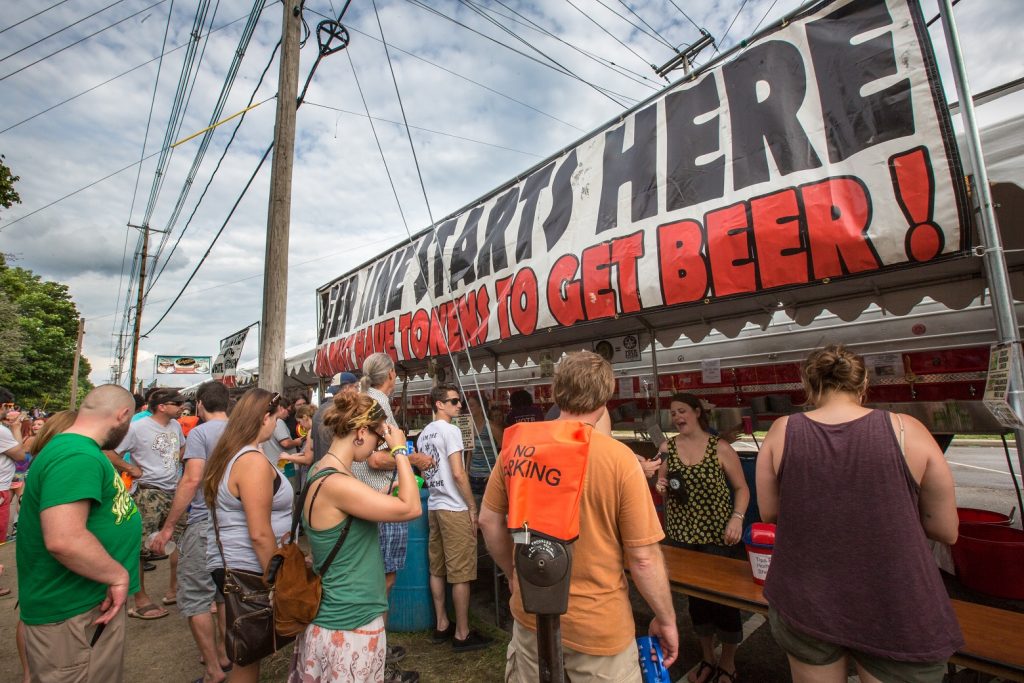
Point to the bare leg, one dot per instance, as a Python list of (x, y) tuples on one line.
[(707, 649), (172, 586), (864, 675), (142, 598), (808, 673), (727, 662), (246, 674), (19, 636), (203, 633), (222, 627), (389, 581), (437, 585), (460, 596)]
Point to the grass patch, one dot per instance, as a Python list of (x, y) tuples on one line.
[(434, 662)]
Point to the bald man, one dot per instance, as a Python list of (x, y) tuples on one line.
[(78, 548)]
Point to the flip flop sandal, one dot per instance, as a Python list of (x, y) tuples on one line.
[(147, 612), (703, 666), (731, 677), (169, 601)]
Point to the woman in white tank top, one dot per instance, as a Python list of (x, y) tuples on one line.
[(251, 500)]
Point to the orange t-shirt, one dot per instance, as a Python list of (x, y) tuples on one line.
[(616, 511)]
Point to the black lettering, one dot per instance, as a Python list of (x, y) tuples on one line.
[(441, 235), (636, 166), (528, 198), (691, 183), (422, 257), (398, 279), (557, 221), (842, 70), (553, 477), (492, 252), (464, 250), (769, 121)]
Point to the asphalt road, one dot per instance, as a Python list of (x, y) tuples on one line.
[(983, 478)]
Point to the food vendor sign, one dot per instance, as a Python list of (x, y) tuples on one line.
[(820, 151), (182, 365)]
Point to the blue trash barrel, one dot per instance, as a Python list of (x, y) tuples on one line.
[(412, 608), (749, 463)]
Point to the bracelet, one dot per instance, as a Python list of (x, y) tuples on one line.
[(738, 515), (399, 450)]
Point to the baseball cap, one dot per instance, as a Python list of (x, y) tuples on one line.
[(340, 381), (165, 395)]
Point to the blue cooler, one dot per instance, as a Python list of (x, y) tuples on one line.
[(412, 608)]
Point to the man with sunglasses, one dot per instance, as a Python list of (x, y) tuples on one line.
[(451, 549), (156, 443)]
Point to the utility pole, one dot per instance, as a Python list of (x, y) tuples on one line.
[(137, 328), (73, 403), (275, 269)]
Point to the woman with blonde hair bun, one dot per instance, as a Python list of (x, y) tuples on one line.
[(346, 641), (856, 493)]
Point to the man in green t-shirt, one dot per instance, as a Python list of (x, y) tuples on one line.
[(78, 548)]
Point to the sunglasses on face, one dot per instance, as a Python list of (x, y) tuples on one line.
[(453, 401), (380, 437)]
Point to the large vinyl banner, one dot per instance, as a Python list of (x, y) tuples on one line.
[(822, 150)]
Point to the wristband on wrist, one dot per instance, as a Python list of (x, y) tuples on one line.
[(399, 450), (738, 515)]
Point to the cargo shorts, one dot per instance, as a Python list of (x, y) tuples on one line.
[(196, 590), (451, 548), (154, 504)]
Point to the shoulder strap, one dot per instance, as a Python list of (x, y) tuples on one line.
[(300, 499), (327, 472), (337, 546)]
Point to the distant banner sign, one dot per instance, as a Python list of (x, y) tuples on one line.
[(182, 365), (230, 352), (821, 150)]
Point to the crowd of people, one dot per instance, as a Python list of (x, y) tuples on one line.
[(125, 481)]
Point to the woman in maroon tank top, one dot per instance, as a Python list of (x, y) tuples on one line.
[(856, 493)]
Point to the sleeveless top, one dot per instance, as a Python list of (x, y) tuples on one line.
[(704, 515), (851, 563), (353, 588), (232, 525)]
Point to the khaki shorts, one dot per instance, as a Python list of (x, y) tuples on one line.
[(810, 650), (521, 662), (451, 549), (61, 652), (154, 504), (196, 589)]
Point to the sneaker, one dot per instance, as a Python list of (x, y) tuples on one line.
[(443, 636), (392, 674), (396, 653), (473, 641)]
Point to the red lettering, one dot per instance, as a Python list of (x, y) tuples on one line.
[(503, 292), (483, 309), (524, 301), (729, 248), (404, 329), (838, 215), (682, 265), (455, 341), (420, 334), (565, 300), (389, 339), (626, 252), (598, 295), (781, 252), (438, 324)]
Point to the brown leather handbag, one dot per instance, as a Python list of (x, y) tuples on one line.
[(249, 612), (297, 588)]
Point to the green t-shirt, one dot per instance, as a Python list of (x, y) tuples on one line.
[(73, 468)]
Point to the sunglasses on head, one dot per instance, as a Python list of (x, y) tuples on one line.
[(275, 401)]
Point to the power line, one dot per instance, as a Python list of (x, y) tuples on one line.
[(216, 168), (458, 75), (607, 63), (565, 70), (81, 40), (655, 35), (764, 16), (33, 16), (598, 24), (114, 78), (604, 91), (726, 35), (426, 130), (214, 242), (58, 31), (687, 16)]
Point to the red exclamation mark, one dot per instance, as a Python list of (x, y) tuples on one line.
[(914, 187)]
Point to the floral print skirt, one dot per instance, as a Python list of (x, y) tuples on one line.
[(325, 656)]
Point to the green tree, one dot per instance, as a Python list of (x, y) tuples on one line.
[(46, 319), (8, 195)]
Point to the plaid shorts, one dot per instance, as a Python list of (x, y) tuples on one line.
[(394, 536)]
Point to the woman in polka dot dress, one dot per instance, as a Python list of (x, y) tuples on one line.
[(706, 499)]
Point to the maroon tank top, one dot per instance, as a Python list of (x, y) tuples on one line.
[(851, 563)]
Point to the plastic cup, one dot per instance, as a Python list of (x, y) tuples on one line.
[(169, 547)]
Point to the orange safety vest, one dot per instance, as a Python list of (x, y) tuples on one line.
[(544, 464)]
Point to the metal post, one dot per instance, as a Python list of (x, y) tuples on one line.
[(994, 258), (549, 649)]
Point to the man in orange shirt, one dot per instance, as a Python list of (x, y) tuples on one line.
[(617, 518)]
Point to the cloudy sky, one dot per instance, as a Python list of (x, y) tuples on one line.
[(481, 114)]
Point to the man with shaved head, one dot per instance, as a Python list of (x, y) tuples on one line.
[(79, 534)]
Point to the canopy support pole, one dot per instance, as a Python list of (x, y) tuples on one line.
[(654, 369), (994, 258)]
